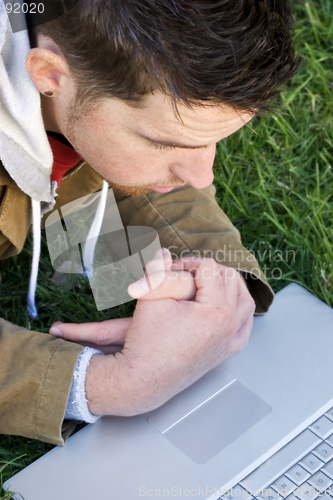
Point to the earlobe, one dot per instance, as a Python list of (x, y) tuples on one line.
[(45, 68)]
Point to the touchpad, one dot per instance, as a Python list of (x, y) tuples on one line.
[(201, 421)]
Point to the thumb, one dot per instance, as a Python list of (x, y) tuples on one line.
[(162, 283), (111, 331), (154, 274), (170, 285)]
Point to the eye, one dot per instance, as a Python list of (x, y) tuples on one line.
[(156, 145)]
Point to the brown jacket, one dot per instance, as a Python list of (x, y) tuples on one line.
[(36, 369)]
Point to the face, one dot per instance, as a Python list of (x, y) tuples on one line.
[(135, 149), (141, 149)]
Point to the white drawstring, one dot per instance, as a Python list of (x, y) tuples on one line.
[(88, 251), (36, 229), (90, 244)]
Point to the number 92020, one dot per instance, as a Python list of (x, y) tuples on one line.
[(33, 8)]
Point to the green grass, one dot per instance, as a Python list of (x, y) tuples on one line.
[(276, 185)]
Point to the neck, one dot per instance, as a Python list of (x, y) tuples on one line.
[(50, 124)]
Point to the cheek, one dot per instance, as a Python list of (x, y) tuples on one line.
[(127, 166), (115, 155)]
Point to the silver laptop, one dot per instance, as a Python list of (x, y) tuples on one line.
[(259, 425)]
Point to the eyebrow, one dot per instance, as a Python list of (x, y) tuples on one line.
[(169, 144)]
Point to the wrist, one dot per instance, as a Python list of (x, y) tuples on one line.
[(115, 387), (107, 389)]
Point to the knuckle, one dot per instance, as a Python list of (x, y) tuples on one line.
[(102, 336), (224, 312), (210, 262), (251, 303), (193, 271), (205, 261), (152, 266), (149, 267), (231, 274), (158, 280), (243, 341)]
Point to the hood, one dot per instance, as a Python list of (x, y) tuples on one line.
[(24, 147), (25, 150)]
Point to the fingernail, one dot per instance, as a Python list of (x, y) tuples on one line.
[(138, 288), (55, 331), (159, 253)]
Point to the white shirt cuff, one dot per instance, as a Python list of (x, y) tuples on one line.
[(77, 406)]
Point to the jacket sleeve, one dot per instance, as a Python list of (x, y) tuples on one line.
[(190, 222), (36, 369), (35, 379)]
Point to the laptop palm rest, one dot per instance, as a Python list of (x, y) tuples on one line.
[(209, 415)]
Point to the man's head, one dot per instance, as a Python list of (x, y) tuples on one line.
[(123, 71)]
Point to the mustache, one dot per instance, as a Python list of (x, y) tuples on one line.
[(140, 190)]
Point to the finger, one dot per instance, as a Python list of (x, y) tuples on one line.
[(156, 268), (245, 299), (154, 274), (244, 294), (235, 291), (245, 304), (210, 282), (162, 261), (112, 331), (240, 339), (183, 263), (178, 286)]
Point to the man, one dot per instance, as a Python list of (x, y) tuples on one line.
[(142, 92)]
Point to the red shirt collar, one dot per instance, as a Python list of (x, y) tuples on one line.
[(64, 158)]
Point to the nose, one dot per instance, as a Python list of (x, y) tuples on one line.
[(196, 166)]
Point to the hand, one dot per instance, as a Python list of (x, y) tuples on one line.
[(109, 336), (170, 344), (165, 279)]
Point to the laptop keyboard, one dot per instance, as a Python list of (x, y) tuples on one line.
[(301, 470)]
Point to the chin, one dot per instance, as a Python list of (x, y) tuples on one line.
[(130, 190)]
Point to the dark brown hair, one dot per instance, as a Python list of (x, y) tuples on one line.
[(233, 52)]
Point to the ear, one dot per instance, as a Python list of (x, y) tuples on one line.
[(46, 69)]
